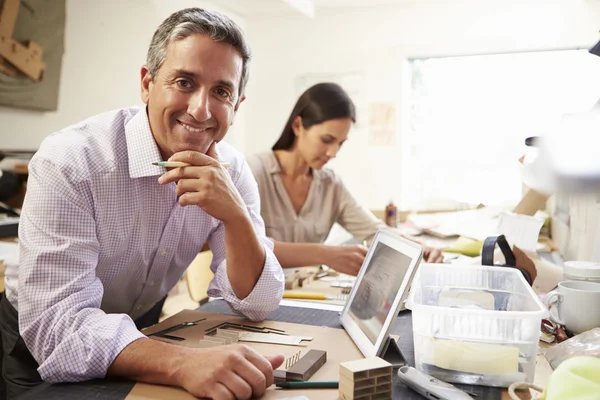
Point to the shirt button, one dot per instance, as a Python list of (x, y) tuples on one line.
[(163, 253), (151, 283), (138, 307)]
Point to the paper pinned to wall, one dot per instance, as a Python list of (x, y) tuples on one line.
[(521, 230), (382, 124)]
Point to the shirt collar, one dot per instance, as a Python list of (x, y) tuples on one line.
[(141, 147), (273, 167)]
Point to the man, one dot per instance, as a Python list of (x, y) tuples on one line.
[(105, 234)]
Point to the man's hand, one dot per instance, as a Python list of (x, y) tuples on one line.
[(228, 372), (346, 259), (206, 184), (225, 372), (432, 255)]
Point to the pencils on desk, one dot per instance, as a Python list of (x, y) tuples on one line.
[(309, 385), (313, 296), (177, 164)]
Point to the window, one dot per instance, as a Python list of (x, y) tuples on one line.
[(469, 117)]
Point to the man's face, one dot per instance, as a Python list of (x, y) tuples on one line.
[(193, 99)]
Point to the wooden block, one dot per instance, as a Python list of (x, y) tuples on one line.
[(382, 396), (7, 68), (292, 282), (307, 365), (364, 391), (353, 385), (8, 17), (26, 59), (360, 369), (384, 388), (369, 378)]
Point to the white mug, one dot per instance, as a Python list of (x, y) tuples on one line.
[(577, 304)]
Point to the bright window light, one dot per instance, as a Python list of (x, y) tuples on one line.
[(469, 117)]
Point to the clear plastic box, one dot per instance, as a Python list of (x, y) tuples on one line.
[(475, 324)]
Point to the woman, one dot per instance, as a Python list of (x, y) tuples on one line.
[(300, 200)]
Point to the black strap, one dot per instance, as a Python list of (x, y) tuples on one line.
[(487, 252)]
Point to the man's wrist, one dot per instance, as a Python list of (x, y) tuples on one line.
[(176, 368), (241, 217)]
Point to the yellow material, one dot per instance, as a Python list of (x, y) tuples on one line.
[(305, 296), (576, 378), (479, 358), (199, 275), (466, 246)]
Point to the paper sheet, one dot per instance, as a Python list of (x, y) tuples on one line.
[(521, 230)]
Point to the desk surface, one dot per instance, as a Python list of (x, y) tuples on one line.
[(116, 389)]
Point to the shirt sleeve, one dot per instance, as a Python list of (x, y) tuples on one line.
[(356, 219), (59, 294), (267, 292)]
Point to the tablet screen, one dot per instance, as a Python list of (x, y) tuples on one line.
[(378, 288)]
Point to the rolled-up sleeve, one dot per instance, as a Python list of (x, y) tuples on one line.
[(267, 292), (356, 219), (59, 294)]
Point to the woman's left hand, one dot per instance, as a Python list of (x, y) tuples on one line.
[(432, 255)]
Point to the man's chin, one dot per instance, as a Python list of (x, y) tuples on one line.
[(199, 148)]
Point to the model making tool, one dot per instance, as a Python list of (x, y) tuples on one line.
[(429, 387)]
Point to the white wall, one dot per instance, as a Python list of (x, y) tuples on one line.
[(376, 43), (105, 46)]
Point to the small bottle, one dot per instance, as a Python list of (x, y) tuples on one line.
[(391, 215)]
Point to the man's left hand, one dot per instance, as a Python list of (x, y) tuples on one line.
[(206, 184)]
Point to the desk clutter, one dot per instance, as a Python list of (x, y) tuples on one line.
[(313, 354)]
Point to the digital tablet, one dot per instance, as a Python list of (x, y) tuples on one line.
[(380, 290)]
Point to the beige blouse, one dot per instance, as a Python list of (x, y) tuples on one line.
[(328, 202)]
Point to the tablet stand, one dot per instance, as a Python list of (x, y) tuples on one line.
[(392, 353)]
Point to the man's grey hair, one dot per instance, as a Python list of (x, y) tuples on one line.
[(189, 21)]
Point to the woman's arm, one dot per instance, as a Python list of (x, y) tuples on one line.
[(346, 259)]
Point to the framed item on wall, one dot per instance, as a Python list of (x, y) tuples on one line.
[(31, 49)]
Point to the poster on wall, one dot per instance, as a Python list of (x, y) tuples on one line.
[(382, 124), (31, 50)]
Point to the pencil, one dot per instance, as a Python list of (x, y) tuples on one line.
[(177, 164), (306, 296), (309, 385)]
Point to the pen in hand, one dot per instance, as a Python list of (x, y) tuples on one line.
[(177, 164)]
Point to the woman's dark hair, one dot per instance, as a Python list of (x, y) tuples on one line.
[(319, 103)]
